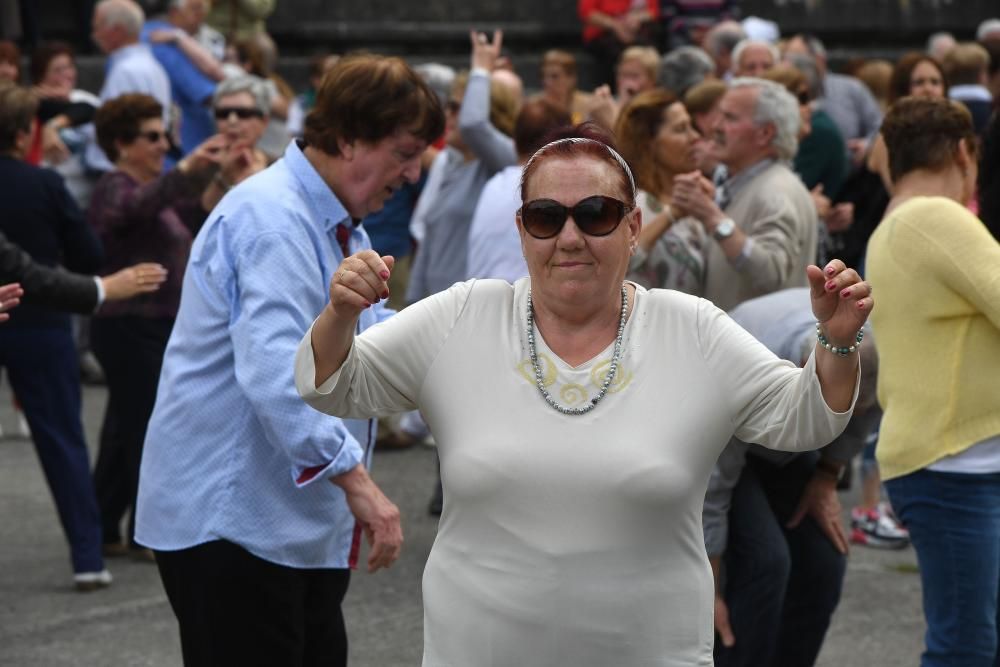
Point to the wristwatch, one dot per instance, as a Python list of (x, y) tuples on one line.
[(724, 229)]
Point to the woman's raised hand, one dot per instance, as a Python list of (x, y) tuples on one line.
[(10, 296), (841, 301), (360, 280)]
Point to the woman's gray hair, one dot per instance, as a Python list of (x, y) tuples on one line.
[(684, 67), (775, 106), (245, 83)]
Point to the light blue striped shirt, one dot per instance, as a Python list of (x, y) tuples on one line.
[(229, 435)]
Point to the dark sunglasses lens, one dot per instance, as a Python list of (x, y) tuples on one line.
[(598, 216), (152, 136), (242, 113), (543, 218)]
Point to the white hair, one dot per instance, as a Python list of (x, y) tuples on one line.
[(724, 37), (775, 106), (584, 140), (684, 67), (747, 43), (124, 13), (245, 83), (987, 28)]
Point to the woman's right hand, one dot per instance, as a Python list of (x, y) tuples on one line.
[(137, 279), (10, 296), (206, 155), (361, 280)]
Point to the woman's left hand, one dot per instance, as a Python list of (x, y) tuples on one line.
[(841, 301), (10, 296)]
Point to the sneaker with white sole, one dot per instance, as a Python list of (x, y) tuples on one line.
[(878, 528), (91, 581)]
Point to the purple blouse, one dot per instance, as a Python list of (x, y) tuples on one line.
[(155, 222)]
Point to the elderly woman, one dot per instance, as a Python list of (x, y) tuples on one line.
[(143, 215), (658, 139), (241, 105), (577, 417), (939, 445)]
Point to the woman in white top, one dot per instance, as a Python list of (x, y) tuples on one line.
[(571, 532), (658, 139)]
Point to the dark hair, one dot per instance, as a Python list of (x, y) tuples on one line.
[(924, 133), (636, 127), (9, 53), (596, 148), (562, 59), (119, 119), (989, 177), (899, 84), (537, 119), (18, 107), (965, 63), (702, 97), (368, 98), (44, 55)]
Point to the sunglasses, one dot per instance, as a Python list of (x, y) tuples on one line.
[(153, 136), (803, 97), (595, 216), (243, 113)]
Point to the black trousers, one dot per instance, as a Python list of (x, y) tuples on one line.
[(130, 350), (234, 608), (782, 585)]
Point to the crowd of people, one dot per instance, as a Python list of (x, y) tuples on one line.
[(667, 278)]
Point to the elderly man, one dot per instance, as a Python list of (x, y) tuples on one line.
[(848, 101), (772, 521), (753, 57), (191, 88), (719, 42), (131, 66), (254, 503), (763, 220)]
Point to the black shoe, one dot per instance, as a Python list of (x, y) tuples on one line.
[(437, 500)]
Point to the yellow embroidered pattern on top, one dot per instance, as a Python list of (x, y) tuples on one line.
[(572, 393)]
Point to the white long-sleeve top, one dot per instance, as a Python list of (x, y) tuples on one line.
[(572, 540)]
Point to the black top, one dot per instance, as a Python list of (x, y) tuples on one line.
[(43, 286), (40, 216)]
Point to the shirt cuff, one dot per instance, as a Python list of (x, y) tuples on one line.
[(100, 292), (479, 71), (741, 259)]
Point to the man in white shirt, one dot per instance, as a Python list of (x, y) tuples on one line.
[(131, 65)]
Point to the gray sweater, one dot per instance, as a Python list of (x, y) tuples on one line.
[(445, 208)]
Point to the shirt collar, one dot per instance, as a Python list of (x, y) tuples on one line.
[(127, 52), (733, 184), (970, 92), (326, 204)]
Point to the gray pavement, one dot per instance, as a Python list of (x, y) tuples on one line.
[(43, 622)]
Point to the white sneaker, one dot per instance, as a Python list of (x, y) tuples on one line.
[(22, 426), (91, 581)]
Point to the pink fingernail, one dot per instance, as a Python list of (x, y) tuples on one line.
[(846, 292), (384, 275), (830, 284), (861, 304), (829, 270), (385, 294), (367, 305)]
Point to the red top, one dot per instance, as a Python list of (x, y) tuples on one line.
[(614, 8)]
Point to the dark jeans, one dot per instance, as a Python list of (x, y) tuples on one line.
[(782, 586), (954, 524), (44, 374), (130, 350), (236, 609)]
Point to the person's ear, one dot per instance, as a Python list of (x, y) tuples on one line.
[(766, 134), (346, 149)]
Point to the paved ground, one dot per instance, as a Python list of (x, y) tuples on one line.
[(44, 623)]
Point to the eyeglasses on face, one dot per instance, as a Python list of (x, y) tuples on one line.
[(243, 113), (595, 216), (153, 136)]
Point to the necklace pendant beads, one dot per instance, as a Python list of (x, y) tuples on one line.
[(608, 379)]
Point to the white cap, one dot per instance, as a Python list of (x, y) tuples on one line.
[(760, 29)]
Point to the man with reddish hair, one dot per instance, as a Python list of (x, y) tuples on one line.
[(254, 503)]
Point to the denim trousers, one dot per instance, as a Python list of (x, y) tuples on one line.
[(954, 524)]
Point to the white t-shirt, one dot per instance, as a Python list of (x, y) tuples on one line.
[(572, 540)]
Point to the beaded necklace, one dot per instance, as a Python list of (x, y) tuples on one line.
[(608, 379)]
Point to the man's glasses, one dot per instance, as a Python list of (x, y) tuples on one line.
[(153, 136), (243, 113), (595, 216)]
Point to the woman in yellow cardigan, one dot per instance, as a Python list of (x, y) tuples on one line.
[(937, 270)]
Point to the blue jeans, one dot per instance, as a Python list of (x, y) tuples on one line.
[(954, 524)]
